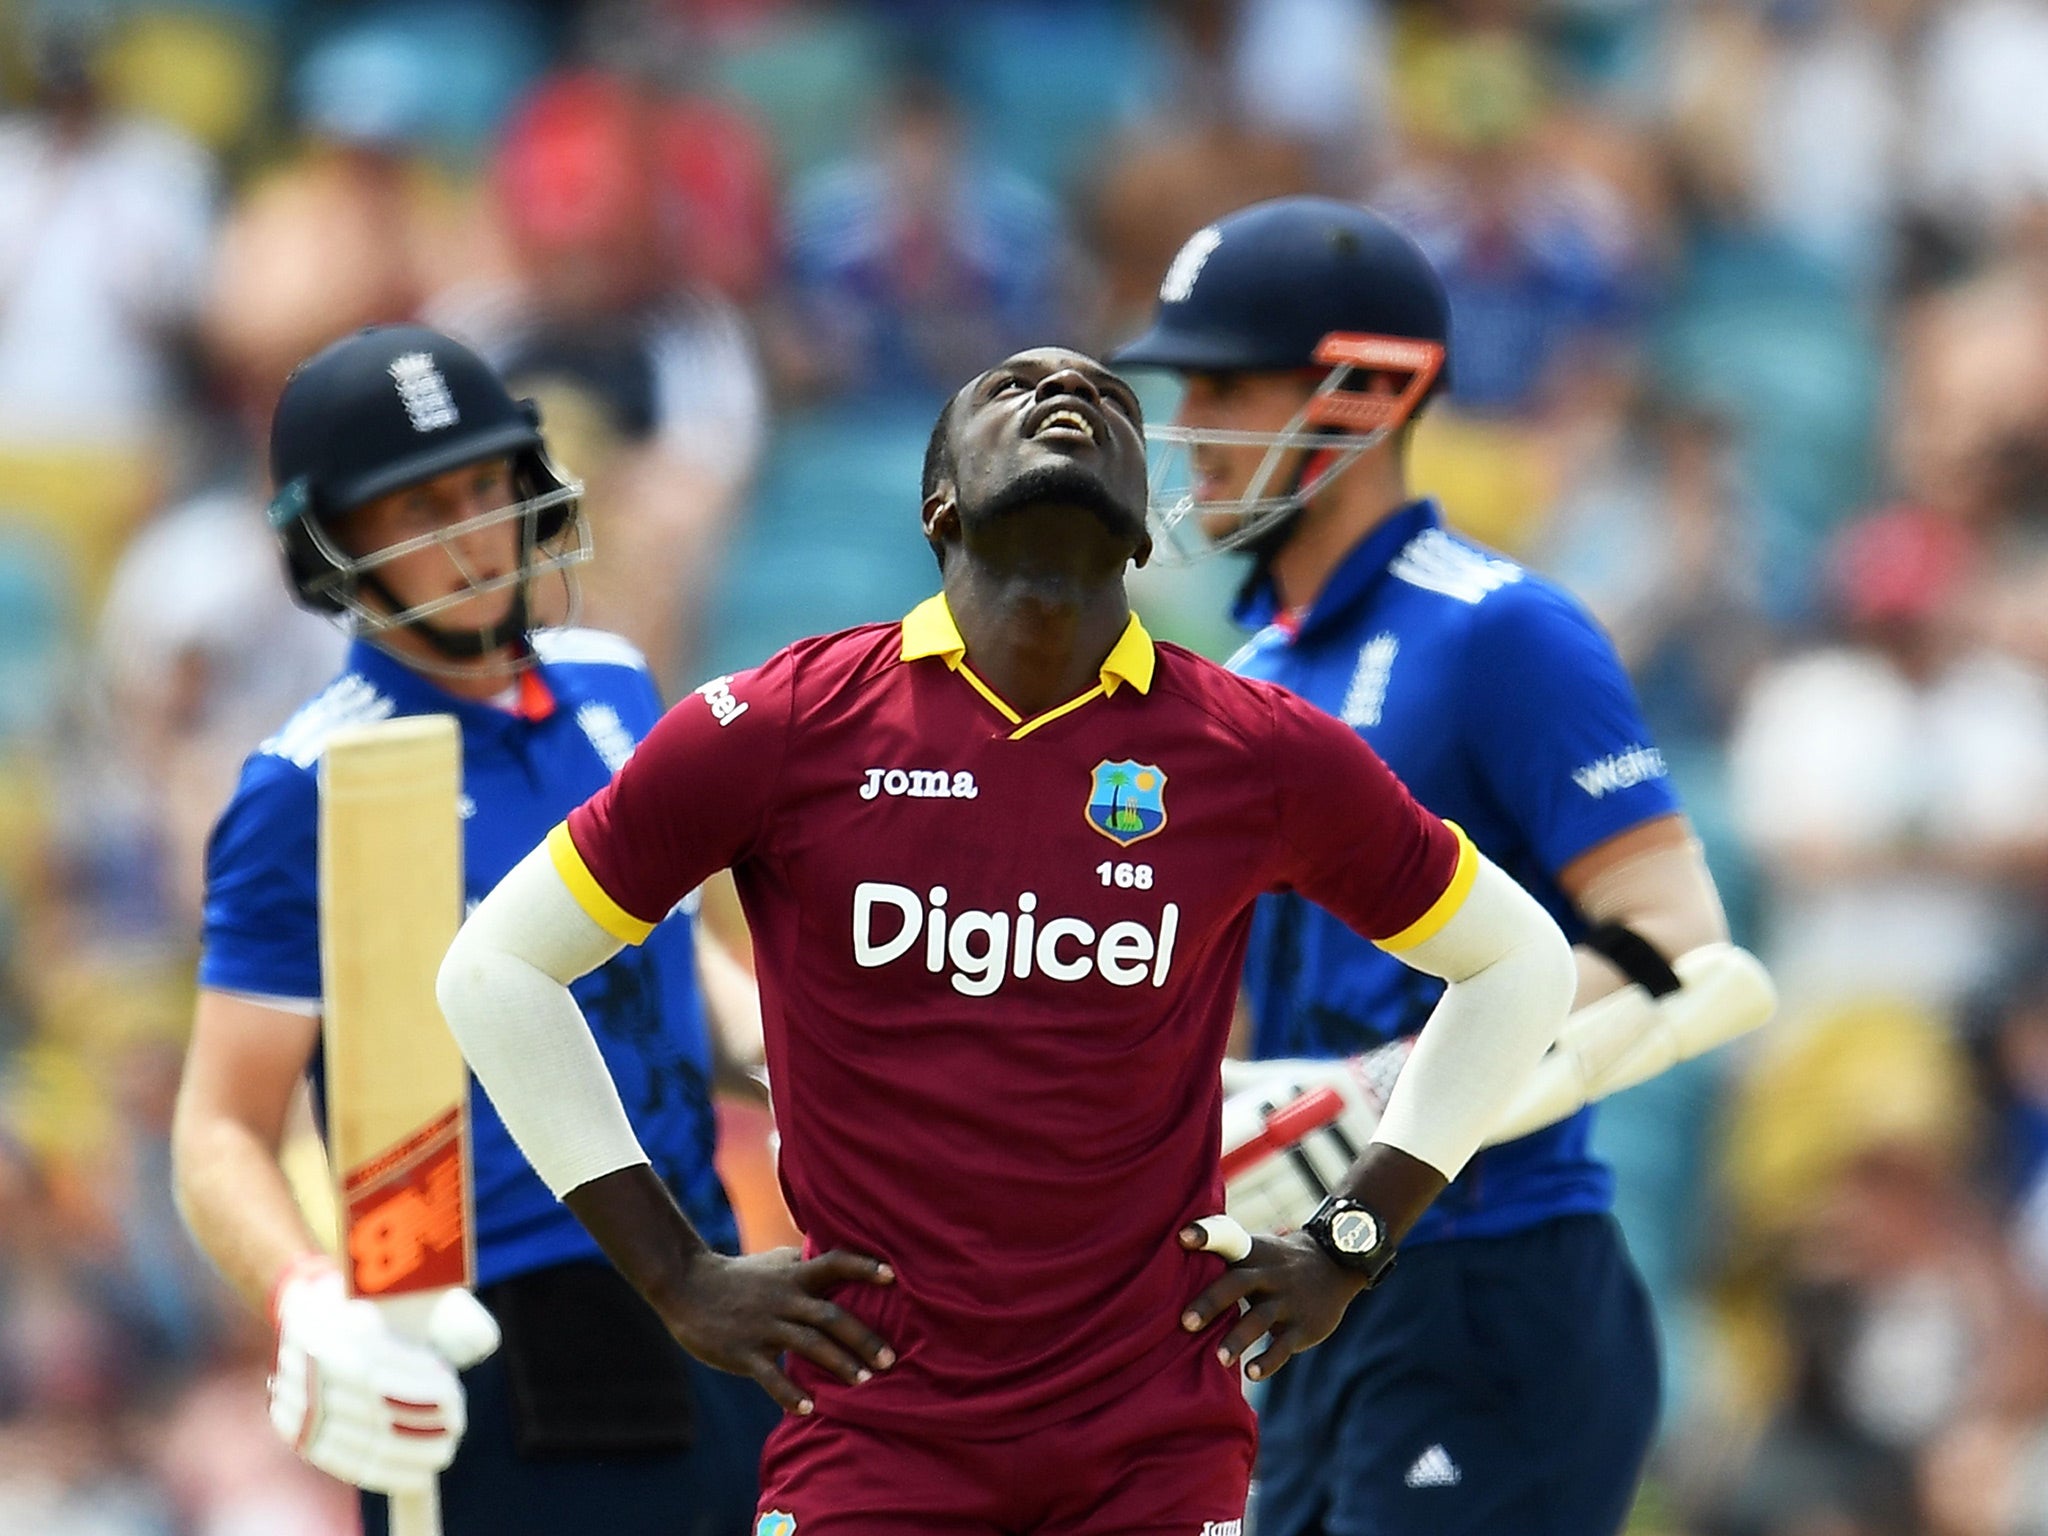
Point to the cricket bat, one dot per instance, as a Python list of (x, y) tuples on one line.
[(397, 1089)]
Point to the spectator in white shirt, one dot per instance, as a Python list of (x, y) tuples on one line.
[(1894, 785)]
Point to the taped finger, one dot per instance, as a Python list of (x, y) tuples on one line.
[(1225, 1237)]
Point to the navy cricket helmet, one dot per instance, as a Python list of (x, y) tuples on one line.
[(1297, 283), (391, 406)]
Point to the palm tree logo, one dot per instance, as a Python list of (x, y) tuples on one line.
[(1126, 800), (1122, 818)]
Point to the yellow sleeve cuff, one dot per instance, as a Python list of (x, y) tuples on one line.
[(1443, 909), (592, 897)]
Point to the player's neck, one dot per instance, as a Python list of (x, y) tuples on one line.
[(1334, 525), (1036, 642), (478, 680)]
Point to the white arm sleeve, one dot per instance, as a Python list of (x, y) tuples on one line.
[(1512, 977), (504, 987)]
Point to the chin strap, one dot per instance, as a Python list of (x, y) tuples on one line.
[(460, 644), (469, 644), (1274, 538)]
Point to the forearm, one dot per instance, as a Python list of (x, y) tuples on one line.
[(1394, 1185), (1511, 980), (637, 1223), (504, 990), (504, 987), (1653, 881), (732, 1005), (238, 1205), (239, 1097)]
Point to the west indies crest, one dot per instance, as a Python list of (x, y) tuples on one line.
[(1127, 800)]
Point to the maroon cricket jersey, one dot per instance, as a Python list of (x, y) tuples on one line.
[(998, 960)]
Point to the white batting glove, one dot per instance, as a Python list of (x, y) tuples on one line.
[(1291, 1130), (358, 1400)]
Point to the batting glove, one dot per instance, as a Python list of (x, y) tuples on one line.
[(1292, 1129), (358, 1400)]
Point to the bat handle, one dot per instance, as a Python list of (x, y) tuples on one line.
[(417, 1513)]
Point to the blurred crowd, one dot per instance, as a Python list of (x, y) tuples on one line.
[(1750, 308)]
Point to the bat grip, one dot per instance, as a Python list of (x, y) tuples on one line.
[(417, 1513)]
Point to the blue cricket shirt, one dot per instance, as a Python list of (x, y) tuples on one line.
[(1502, 706), (587, 704)]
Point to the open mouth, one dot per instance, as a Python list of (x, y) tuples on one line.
[(1063, 423)]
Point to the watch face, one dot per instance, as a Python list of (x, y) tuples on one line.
[(1354, 1232)]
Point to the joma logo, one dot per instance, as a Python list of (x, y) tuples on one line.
[(919, 784)]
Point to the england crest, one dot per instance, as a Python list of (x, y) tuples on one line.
[(1127, 801)]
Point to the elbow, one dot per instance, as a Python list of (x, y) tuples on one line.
[(1539, 958), (464, 974), (198, 1126), (1531, 985), (206, 1139), (181, 1174)]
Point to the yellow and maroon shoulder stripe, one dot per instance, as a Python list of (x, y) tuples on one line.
[(593, 898), (1446, 906)]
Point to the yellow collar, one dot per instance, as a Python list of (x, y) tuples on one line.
[(929, 630)]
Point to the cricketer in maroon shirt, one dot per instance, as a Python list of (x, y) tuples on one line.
[(998, 959)]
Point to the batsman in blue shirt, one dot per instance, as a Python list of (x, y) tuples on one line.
[(1503, 1376), (415, 499)]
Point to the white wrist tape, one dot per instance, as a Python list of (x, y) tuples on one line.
[(504, 987), (1512, 977)]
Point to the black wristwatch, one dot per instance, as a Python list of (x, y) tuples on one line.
[(1352, 1236)]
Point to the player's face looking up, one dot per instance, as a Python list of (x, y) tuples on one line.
[(1046, 430), (445, 563)]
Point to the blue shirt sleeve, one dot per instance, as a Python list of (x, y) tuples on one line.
[(641, 704), (262, 919), (1553, 727)]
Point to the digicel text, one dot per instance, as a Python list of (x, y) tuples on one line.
[(985, 949)]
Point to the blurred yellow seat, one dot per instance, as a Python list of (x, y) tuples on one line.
[(1866, 1077), (85, 502), (1496, 480), (206, 74)]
